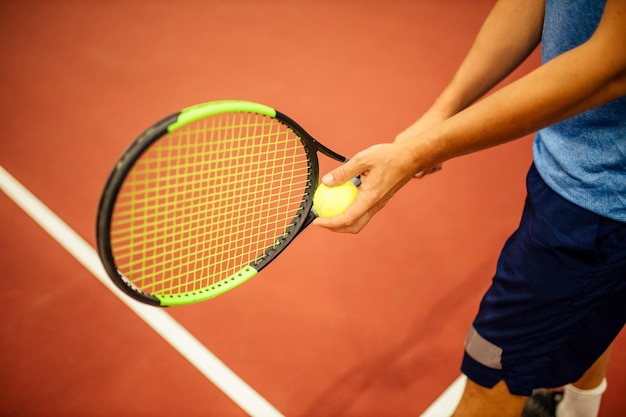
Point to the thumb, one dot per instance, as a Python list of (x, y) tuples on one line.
[(341, 174)]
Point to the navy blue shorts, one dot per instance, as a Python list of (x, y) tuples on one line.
[(558, 298)]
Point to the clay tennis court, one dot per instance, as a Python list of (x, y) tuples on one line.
[(365, 325)]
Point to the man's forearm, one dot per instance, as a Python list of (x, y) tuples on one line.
[(510, 33)]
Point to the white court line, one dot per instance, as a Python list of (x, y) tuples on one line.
[(164, 324), (446, 403)]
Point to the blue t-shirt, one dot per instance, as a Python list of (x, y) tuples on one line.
[(583, 158)]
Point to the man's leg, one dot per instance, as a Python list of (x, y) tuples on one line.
[(478, 401), (594, 376), (582, 398)]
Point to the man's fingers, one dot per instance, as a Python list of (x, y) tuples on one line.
[(342, 173), (428, 171)]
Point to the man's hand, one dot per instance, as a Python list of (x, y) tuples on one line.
[(384, 169)]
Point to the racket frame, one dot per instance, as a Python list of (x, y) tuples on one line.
[(169, 124)]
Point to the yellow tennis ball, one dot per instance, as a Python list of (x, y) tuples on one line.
[(333, 201)]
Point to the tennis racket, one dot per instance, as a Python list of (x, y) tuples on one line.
[(205, 199)]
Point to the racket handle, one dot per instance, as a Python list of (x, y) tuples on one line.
[(356, 180)]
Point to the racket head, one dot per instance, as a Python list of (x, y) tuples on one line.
[(204, 199)]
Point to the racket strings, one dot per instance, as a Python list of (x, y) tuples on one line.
[(207, 200)]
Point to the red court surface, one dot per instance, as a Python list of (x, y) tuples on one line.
[(365, 325)]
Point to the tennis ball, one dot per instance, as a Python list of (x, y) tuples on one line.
[(333, 201)]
